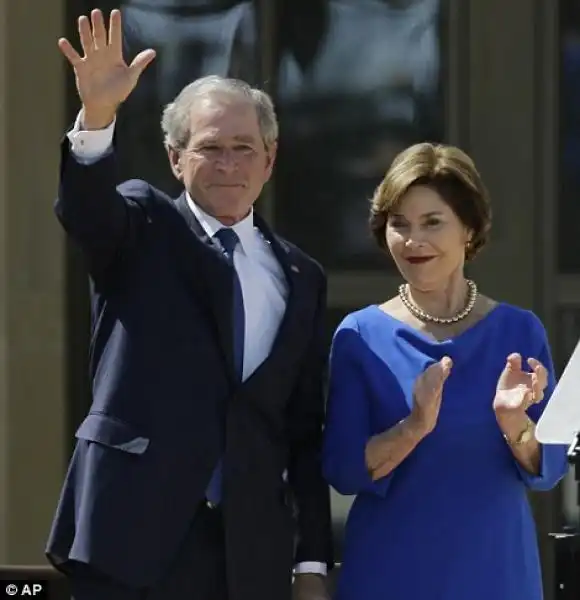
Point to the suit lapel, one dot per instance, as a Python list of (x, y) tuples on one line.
[(280, 249), (294, 279), (209, 278)]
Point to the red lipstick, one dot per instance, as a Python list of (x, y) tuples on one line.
[(418, 260)]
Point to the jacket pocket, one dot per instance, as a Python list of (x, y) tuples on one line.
[(111, 432)]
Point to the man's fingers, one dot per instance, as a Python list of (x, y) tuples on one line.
[(141, 61), (99, 30), (69, 52), (116, 31), (86, 35)]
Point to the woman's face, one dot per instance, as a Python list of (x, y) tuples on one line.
[(426, 239)]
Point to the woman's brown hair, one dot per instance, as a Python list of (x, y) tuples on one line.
[(449, 172)]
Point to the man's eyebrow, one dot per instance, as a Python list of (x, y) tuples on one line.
[(212, 139)]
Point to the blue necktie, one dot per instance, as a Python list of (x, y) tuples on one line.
[(229, 239)]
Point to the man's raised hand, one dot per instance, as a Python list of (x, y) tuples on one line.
[(104, 80)]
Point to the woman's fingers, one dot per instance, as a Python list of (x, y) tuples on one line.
[(514, 362)]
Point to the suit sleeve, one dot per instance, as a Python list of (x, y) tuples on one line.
[(305, 421), (348, 424), (97, 215), (553, 457)]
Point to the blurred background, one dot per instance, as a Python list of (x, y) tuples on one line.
[(354, 81)]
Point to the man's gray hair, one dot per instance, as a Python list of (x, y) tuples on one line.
[(176, 120)]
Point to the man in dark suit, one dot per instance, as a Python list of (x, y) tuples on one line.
[(196, 473)]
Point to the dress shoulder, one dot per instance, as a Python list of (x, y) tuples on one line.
[(523, 322), (357, 320)]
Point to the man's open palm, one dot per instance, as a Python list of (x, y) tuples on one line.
[(103, 78)]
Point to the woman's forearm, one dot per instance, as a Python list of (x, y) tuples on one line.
[(528, 452), (387, 450)]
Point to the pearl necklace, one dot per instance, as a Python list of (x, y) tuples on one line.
[(420, 314)]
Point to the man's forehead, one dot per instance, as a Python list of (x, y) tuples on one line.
[(208, 134), (218, 114)]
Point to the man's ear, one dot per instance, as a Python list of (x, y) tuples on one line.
[(271, 151), (175, 162)]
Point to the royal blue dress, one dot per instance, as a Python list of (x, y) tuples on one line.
[(452, 521)]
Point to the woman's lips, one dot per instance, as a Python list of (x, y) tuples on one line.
[(419, 260)]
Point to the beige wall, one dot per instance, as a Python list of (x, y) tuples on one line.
[(32, 428)]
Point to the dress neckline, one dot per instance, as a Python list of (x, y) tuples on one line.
[(450, 340)]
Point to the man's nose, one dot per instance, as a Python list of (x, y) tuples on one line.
[(227, 160)]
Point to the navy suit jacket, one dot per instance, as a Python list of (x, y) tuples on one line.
[(166, 402)]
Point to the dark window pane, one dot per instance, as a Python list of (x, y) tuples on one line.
[(569, 197), (357, 81), (567, 335), (333, 318)]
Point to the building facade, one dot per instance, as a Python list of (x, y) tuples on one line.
[(354, 82)]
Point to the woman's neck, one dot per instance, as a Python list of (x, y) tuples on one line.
[(445, 301)]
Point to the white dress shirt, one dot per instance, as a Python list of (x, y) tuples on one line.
[(262, 278), (264, 286)]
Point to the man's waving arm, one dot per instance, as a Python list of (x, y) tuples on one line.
[(89, 206)]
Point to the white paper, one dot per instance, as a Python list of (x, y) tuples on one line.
[(560, 422)]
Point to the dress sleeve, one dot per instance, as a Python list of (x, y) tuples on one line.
[(348, 429), (553, 457)]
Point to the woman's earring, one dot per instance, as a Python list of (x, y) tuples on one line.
[(468, 248)]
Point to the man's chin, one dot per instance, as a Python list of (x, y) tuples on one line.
[(229, 210)]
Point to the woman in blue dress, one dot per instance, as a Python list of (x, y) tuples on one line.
[(433, 400)]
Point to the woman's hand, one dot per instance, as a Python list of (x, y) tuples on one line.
[(427, 396), (516, 389)]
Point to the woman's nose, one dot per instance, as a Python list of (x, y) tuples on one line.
[(414, 240)]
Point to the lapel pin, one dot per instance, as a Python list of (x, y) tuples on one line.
[(294, 268)]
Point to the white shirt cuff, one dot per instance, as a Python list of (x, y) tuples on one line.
[(89, 146), (310, 567)]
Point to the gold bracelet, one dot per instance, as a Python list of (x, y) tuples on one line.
[(525, 436)]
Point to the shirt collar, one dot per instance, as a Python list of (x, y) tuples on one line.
[(244, 228)]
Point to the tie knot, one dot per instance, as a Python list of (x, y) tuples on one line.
[(229, 239)]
